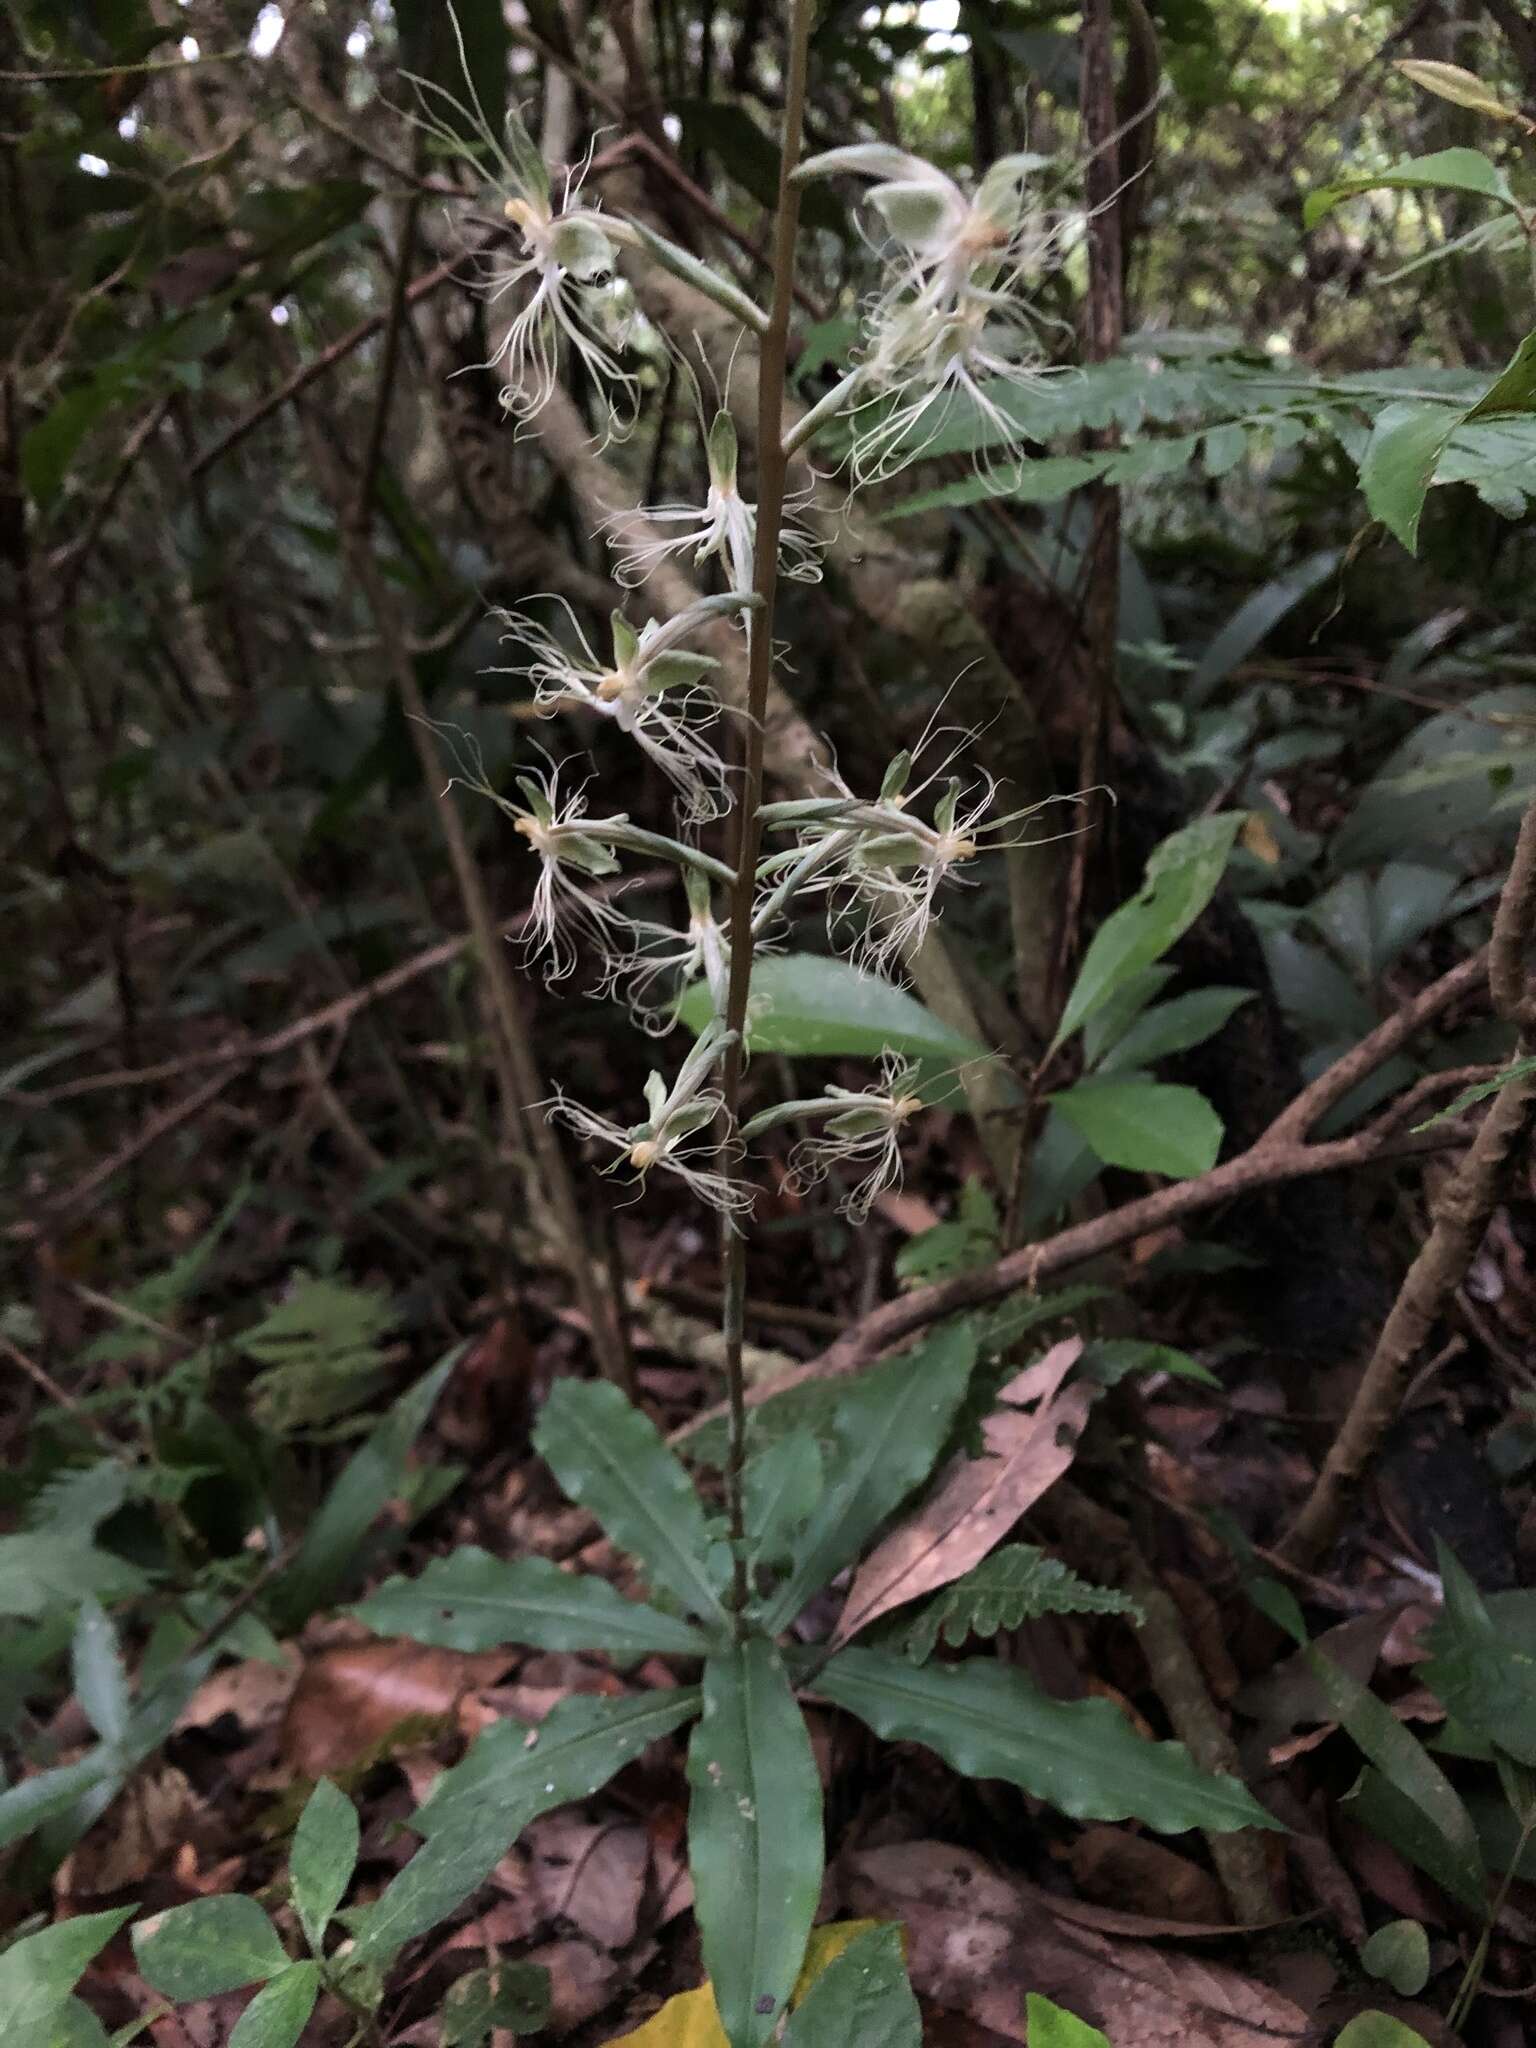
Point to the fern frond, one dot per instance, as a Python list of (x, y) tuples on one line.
[(1017, 1583)]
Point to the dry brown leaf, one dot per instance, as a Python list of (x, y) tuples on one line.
[(582, 1979), (134, 1838), (980, 1499), (1119, 1868), (979, 1944), (351, 1699), (592, 1875), (254, 1691)]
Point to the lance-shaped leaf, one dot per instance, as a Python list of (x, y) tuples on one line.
[(861, 2000), (1483, 1666), (39, 1971), (611, 1458), (890, 1427), (782, 1484), (572, 1753), (322, 1859), (277, 2016), (1448, 170), (989, 1721), (470, 1600), (476, 1811), (981, 1498), (754, 1837)]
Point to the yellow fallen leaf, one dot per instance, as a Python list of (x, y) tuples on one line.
[(1257, 838), (691, 2019)]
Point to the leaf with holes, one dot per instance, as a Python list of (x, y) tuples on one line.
[(755, 1843)]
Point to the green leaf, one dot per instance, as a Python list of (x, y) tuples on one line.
[(1144, 1126), (1398, 467), (1410, 1774), (523, 1772), (987, 1720), (1017, 1583), (277, 2016), (38, 1973), (322, 1350), (861, 2000), (891, 1425), (455, 1860), (612, 1460), (755, 1845), (208, 1946), (1483, 1672), (73, 2025), (513, 1995), (1050, 2026), (470, 1600), (101, 1683), (1180, 880), (1447, 170), (806, 1005), (1399, 1955), (367, 1483), (1254, 620), (322, 1859), (1479, 1091), (1378, 2030), (1462, 776), (47, 1795), (1173, 1027), (783, 1483)]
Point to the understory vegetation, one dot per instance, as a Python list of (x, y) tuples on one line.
[(769, 1046)]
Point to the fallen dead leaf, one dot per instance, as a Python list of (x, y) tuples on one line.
[(133, 1839), (582, 1979), (979, 1499), (350, 1700), (253, 1690), (979, 1944), (1116, 1867), (591, 1874)]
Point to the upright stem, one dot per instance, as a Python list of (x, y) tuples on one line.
[(772, 465)]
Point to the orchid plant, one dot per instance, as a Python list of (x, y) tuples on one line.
[(949, 333)]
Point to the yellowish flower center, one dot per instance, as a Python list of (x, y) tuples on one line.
[(612, 685), (645, 1154)]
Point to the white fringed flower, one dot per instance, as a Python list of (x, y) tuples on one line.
[(664, 961), (573, 850), (952, 330), (673, 1137), (651, 687), (724, 529), (862, 1128)]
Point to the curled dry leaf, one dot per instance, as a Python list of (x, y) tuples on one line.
[(351, 1699), (592, 1875), (978, 1500), (1123, 1869), (979, 1944)]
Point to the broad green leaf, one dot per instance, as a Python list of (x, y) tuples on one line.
[(987, 1720), (1411, 1774), (612, 1460), (1172, 1027), (1144, 1126), (861, 2000), (512, 1995), (1181, 879), (690, 2019), (1051, 2026), (1484, 1672), (208, 1946), (73, 2025), (755, 1844), (366, 1484), (322, 1858), (523, 1772), (1461, 776), (1517, 1070), (1399, 1955), (47, 1795), (38, 1973), (1109, 1024), (1375, 1804), (783, 1483), (470, 1600), (456, 1859), (1379, 2030), (1109, 1359), (101, 1683), (277, 2016), (891, 1425), (809, 1006), (1398, 467), (1447, 170)]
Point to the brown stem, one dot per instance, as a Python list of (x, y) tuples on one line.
[(771, 468)]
